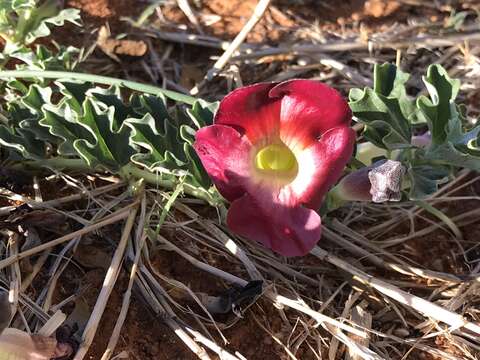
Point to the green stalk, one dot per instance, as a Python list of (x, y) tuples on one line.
[(106, 80), (58, 163), (154, 179), (128, 171)]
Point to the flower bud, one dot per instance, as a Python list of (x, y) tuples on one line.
[(422, 141), (379, 183)]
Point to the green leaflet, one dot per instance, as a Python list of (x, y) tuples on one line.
[(385, 109), (35, 98), (451, 143), (390, 81), (64, 125), (156, 106), (169, 148), (31, 22), (74, 94), (201, 113), (425, 179), (156, 137), (42, 59), (196, 168), (440, 107), (22, 141), (112, 97), (111, 148)]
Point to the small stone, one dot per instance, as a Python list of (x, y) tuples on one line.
[(401, 332), (386, 180)]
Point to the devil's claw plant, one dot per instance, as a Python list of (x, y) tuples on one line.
[(272, 150)]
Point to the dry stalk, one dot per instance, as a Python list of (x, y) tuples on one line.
[(239, 39), (140, 240), (107, 287), (113, 218), (423, 306)]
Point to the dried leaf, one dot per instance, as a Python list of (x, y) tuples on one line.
[(113, 47), (19, 345)]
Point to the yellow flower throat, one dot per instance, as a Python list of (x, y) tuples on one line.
[(276, 157)]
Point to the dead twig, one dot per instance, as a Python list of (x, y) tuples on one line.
[(239, 39)]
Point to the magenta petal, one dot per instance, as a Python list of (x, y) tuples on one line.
[(321, 165), (224, 153), (309, 109), (289, 231), (251, 111)]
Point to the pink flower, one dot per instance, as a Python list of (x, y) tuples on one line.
[(274, 151)]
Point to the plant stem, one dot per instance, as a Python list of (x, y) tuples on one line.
[(67, 75), (128, 171), (58, 163), (155, 179)]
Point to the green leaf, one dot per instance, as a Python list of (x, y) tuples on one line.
[(196, 168), (440, 108), (36, 97), (36, 25), (391, 82), (385, 124), (61, 123), (202, 113), (165, 151), (155, 105), (22, 141), (451, 144), (44, 59), (187, 133), (159, 139), (34, 100), (425, 179), (111, 148), (74, 93), (112, 97), (456, 155)]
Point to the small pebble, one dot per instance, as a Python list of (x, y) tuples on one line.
[(401, 332)]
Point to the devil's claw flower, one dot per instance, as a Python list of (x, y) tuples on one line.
[(274, 151)]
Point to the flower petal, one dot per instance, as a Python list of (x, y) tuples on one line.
[(251, 111), (321, 165), (289, 231), (309, 109), (224, 153)]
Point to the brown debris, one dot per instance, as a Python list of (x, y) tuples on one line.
[(114, 48)]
